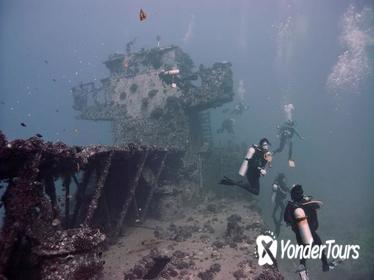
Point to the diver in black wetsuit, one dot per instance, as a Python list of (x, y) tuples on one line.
[(254, 166), (286, 132), (280, 192), (310, 209)]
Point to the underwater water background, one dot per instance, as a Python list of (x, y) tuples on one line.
[(317, 55)]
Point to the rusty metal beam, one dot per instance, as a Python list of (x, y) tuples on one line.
[(50, 190), (99, 187), (75, 180), (81, 189), (131, 194), (107, 211), (66, 184), (136, 208), (153, 187)]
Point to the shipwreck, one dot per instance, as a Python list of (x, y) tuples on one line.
[(63, 204)]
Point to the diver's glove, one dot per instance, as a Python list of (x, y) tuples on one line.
[(262, 171), (330, 266)]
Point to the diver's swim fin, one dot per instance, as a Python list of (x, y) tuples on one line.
[(227, 181)]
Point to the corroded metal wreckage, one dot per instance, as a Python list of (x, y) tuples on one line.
[(63, 205), (155, 97), (57, 218)]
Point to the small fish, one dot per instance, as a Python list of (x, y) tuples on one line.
[(54, 80), (142, 15), (2, 103), (39, 135), (46, 61), (23, 124), (57, 110)]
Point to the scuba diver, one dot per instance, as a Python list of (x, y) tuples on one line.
[(286, 132), (301, 215), (227, 125), (240, 108), (253, 167), (280, 192)]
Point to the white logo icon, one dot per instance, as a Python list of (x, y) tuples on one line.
[(266, 249)]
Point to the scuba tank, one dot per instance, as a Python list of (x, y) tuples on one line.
[(244, 167), (274, 194), (303, 226), (172, 72)]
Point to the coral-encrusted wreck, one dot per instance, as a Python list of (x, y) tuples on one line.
[(57, 213), (154, 97), (62, 204)]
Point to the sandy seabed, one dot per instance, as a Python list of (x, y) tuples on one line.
[(198, 244)]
